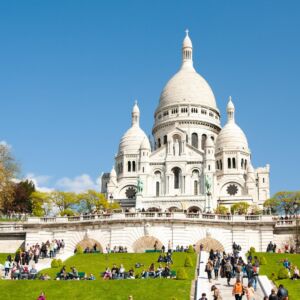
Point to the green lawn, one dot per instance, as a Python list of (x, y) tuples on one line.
[(3, 257), (141, 289), (274, 263)]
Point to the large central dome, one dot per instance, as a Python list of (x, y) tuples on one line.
[(187, 86)]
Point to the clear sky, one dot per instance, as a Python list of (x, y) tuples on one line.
[(70, 71)]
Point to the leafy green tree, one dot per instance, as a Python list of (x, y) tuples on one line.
[(221, 210), (40, 203), (8, 171), (287, 201), (94, 201), (63, 200), (240, 208)]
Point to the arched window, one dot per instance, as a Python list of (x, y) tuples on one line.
[(159, 143), (233, 162), (157, 189), (221, 165), (165, 139), (176, 173), (217, 165), (129, 166), (195, 187), (229, 163), (195, 140), (203, 140), (245, 164), (242, 163), (133, 166)]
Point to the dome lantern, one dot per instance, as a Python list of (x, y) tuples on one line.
[(187, 51), (135, 115), (230, 110)]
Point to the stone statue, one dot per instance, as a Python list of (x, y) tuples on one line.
[(208, 184), (140, 185)]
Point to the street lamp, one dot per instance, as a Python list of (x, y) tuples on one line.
[(297, 240)]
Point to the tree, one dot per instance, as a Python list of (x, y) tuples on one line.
[(41, 205), (240, 208), (286, 201), (8, 171), (22, 202), (221, 210), (94, 201), (63, 200)]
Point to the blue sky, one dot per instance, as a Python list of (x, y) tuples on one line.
[(70, 71)]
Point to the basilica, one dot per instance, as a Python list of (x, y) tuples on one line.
[(193, 164)]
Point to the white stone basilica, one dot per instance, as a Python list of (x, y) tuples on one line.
[(194, 164)]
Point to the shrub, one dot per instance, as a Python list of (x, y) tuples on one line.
[(283, 273), (188, 262), (181, 274), (262, 260), (252, 250), (79, 250), (54, 263), (67, 212), (60, 263), (190, 249)]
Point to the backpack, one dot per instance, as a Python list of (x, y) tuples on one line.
[(238, 288)]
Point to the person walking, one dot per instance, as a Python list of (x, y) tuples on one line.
[(208, 269), (273, 295), (228, 271), (216, 267), (282, 293), (216, 293), (237, 290), (250, 293)]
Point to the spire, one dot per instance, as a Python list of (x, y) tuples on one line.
[(187, 50), (135, 115), (230, 111)]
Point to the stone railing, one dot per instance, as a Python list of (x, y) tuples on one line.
[(153, 215), (11, 227)]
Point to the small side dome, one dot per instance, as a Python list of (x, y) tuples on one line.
[(145, 145), (132, 139), (231, 136)]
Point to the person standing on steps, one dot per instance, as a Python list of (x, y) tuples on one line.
[(228, 271), (216, 267), (208, 269), (216, 293), (237, 290)]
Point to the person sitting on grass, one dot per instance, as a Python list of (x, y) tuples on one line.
[(296, 274), (159, 271), (114, 271), (33, 272), (73, 274), (131, 274), (152, 270), (121, 271), (166, 272), (92, 277), (107, 274), (145, 274)]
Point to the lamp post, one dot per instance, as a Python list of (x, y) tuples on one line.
[(297, 240), (111, 197)]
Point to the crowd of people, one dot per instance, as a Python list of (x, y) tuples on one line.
[(22, 265), (161, 271), (116, 249), (232, 267)]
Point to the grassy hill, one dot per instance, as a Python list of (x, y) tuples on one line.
[(141, 289), (274, 264)]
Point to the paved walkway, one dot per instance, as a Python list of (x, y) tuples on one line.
[(45, 263), (204, 286)]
